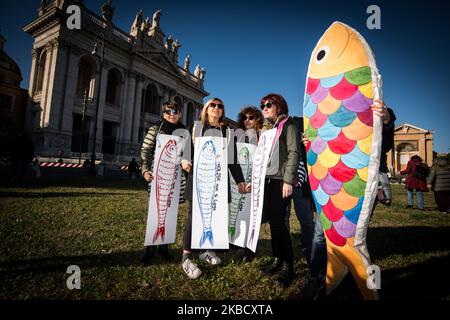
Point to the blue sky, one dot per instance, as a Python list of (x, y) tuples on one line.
[(251, 48)]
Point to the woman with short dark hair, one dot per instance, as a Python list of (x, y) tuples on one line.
[(280, 178)]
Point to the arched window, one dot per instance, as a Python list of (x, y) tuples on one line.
[(113, 87), (86, 76), (40, 71), (407, 147), (151, 100)]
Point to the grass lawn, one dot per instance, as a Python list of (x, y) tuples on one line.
[(99, 225)]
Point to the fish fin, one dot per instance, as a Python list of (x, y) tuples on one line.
[(160, 231)]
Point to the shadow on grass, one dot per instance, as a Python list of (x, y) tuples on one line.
[(385, 241), (101, 260), (427, 280), (80, 182), (46, 195)]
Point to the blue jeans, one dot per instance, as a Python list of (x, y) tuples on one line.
[(305, 216), (420, 203), (318, 265)]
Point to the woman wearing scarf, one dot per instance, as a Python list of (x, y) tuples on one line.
[(171, 115), (280, 177)]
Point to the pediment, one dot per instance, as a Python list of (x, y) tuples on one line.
[(159, 58), (408, 128)]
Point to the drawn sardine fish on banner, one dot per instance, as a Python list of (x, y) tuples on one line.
[(239, 209), (344, 154), (206, 188), (259, 168), (210, 207), (164, 191)]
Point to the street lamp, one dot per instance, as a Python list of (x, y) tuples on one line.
[(83, 113), (97, 39)]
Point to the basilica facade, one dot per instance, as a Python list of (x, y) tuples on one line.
[(123, 77)]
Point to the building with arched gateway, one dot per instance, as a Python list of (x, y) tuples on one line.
[(410, 140), (139, 72)]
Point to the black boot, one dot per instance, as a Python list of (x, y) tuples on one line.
[(286, 274), (149, 253), (249, 255), (163, 251), (271, 268), (313, 288)]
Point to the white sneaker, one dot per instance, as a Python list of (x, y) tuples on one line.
[(210, 256), (191, 269)]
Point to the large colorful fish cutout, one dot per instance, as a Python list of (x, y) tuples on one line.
[(343, 156)]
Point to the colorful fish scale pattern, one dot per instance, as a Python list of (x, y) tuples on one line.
[(338, 122)]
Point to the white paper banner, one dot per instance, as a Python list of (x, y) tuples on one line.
[(210, 194), (239, 209), (165, 191), (259, 167)]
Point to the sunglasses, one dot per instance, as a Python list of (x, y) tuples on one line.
[(171, 112), (266, 105), (249, 118), (218, 105)]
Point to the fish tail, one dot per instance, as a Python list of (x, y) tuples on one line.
[(341, 260), (232, 230), (207, 235), (252, 235), (160, 231)]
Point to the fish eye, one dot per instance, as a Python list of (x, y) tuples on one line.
[(322, 54)]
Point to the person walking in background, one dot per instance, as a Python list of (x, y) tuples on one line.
[(439, 181), (171, 115), (133, 168), (417, 172)]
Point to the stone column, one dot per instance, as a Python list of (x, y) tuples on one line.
[(101, 106), (29, 112), (45, 85), (70, 91), (123, 108), (129, 106), (137, 109), (53, 91), (185, 109), (422, 148), (429, 147), (166, 94)]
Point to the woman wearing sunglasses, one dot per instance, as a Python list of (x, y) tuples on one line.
[(250, 120), (280, 177), (212, 117), (171, 115)]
